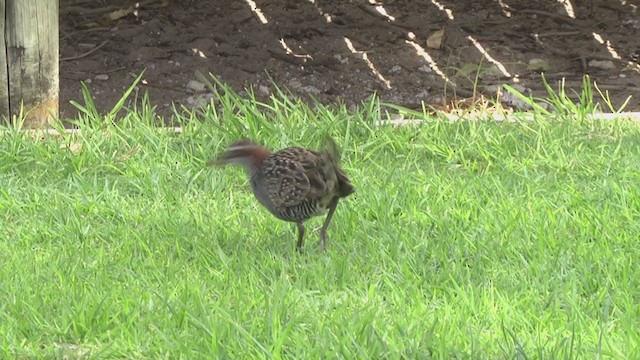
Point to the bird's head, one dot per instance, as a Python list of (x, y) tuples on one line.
[(243, 152)]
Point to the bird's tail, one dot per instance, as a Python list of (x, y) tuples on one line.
[(345, 187), (332, 150)]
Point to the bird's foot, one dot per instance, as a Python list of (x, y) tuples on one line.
[(323, 242)]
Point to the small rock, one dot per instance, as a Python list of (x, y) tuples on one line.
[(295, 83), (88, 81), (425, 68), (634, 23), (196, 102), (422, 95), (519, 88), (102, 77), (492, 88), (195, 85), (395, 69), (263, 90), (493, 70), (311, 89), (602, 64), (538, 64), (512, 100), (342, 60), (436, 39)]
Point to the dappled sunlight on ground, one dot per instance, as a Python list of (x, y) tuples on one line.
[(339, 51)]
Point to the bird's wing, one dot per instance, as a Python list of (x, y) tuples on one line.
[(315, 168), (292, 176)]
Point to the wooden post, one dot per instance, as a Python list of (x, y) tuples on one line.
[(29, 60), (4, 75)]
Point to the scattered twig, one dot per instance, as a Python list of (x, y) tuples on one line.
[(82, 31), (75, 78), (460, 91), (86, 53), (554, 50), (88, 11), (81, 75), (603, 57), (617, 7), (369, 10), (289, 59), (606, 86), (557, 75), (328, 61), (559, 33), (561, 18), (149, 4), (113, 70), (172, 88), (79, 2), (583, 62), (69, 35), (374, 13)]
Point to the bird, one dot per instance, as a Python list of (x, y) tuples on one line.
[(294, 184)]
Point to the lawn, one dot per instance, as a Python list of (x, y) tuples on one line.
[(471, 239)]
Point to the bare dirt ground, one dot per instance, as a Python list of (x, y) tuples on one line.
[(345, 50)]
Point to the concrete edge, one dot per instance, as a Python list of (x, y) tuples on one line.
[(398, 121)]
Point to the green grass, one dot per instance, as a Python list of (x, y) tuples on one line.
[(463, 240)]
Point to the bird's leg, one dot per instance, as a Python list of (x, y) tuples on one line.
[(300, 236), (323, 231)]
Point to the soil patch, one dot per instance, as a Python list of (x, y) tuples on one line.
[(334, 50)]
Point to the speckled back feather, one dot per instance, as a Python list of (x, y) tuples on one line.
[(301, 183)]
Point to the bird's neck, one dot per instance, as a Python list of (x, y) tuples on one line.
[(257, 157)]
